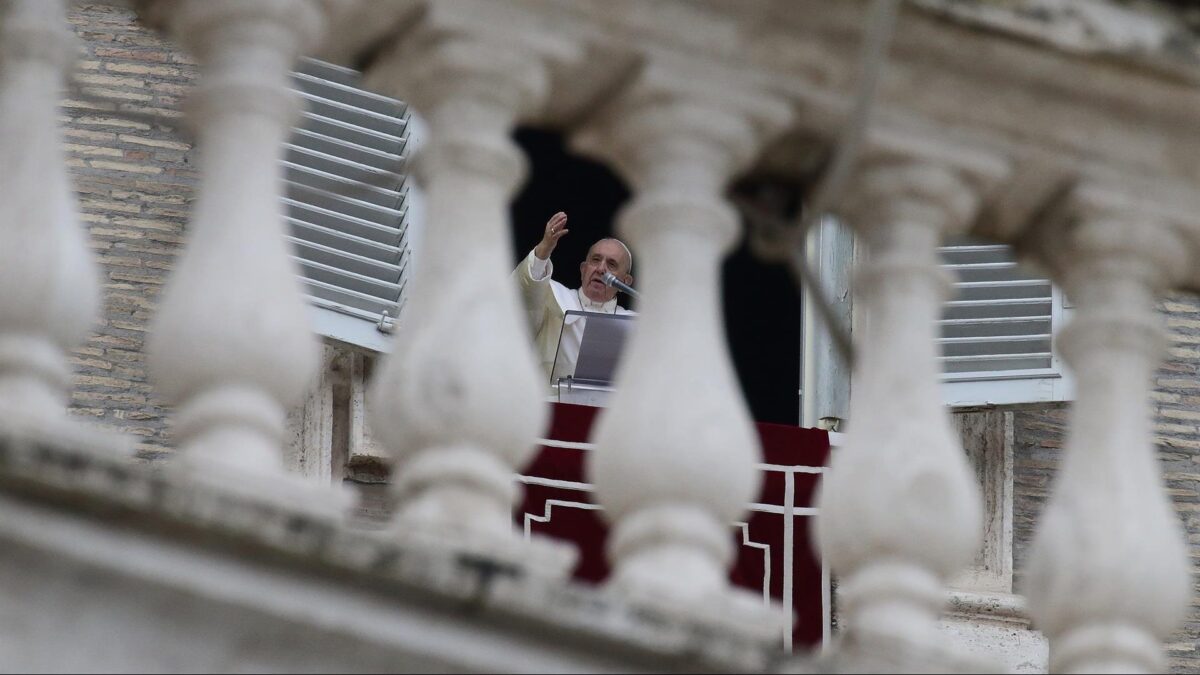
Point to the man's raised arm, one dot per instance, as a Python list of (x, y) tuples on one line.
[(533, 272)]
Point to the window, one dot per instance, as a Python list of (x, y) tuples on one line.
[(348, 204), (997, 330)]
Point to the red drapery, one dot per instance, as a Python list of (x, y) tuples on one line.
[(556, 505)]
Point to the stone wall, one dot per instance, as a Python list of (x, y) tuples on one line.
[(132, 165), (1038, 439)]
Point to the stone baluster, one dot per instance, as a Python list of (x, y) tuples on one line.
[(460, 400), (1108, 572), (676, 449), (231, 344), (900, 512), (48, 279)]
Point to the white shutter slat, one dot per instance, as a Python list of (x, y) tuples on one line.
[(347, 203), (321, 80), (343, 204), (347, 243), (361, 265), (997, 308), (342, 299), (334, 75), (343, 187), (347, 167), (349, 133), (997, 363), (993, 343), (375, 158), (989, 327), (989, 271), (341, 222), (343, 278), (976, 253), (320, 106), (1004, 290)]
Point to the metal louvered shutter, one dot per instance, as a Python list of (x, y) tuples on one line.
[(997, 332), (347, 203)]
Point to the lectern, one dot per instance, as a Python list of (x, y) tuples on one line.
[(584, 374)]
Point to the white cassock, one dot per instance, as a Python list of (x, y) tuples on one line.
[(547, 302)]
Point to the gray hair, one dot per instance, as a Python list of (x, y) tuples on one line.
[(628, 253)]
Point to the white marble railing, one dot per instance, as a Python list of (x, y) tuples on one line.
[(458, 402)]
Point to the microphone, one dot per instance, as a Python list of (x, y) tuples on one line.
[(612, 281)]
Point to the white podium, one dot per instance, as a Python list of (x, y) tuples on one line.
[(588, 380)]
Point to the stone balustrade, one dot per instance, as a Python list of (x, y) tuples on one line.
[(458, 402)]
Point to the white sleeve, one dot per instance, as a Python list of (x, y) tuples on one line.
[(539, 270)]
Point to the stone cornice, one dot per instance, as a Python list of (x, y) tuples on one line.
[(1150, 36), (1084, 109), (1056, 118)]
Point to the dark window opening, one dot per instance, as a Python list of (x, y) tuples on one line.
[(760, 300)]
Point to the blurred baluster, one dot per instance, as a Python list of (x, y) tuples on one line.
[(676, 449), (900, 511), (1108, 575), (231, 344), (48, 278), (460, 400)]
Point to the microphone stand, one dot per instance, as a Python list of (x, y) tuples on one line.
[(612, 281)]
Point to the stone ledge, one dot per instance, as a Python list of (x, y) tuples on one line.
[(994, 606), (110, 497), (996, 626)]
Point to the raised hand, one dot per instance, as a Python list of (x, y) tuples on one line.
[(556, 227)]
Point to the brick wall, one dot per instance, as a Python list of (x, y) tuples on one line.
[(1038, 437), (132, 167)]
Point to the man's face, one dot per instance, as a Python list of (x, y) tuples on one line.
[(605, 255)]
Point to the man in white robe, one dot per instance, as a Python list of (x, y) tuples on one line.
[(547, 301)]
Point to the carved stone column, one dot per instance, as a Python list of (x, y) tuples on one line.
[(900, 511), (1108, 573), (231, 345), (48, 279), (674, 466), (460, 400)]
